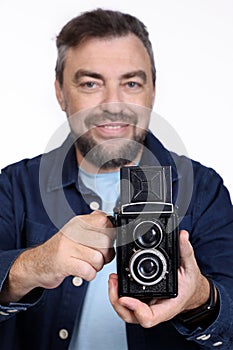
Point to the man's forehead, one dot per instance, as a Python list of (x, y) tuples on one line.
[(121, 54), (109, 45)]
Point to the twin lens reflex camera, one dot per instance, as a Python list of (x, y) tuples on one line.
[(147, 234)]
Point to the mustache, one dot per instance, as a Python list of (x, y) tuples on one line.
[(106, 117)]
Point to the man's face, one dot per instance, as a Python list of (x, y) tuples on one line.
[(107, 94)]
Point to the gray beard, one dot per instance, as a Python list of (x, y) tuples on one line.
[(104, 157)]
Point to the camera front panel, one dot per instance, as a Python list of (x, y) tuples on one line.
[(147, 255)]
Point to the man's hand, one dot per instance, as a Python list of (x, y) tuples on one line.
[(193, 291), (80, 248)]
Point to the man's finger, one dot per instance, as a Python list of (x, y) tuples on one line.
[(186, 251), (123, 312)]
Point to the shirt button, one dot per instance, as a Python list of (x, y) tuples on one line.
[(203, 337), (3, 313), (63, 334), (206, 337), (12, 310), (77, 281), (218, 343), (94, 205)]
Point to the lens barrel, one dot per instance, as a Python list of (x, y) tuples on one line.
[(148, 266)]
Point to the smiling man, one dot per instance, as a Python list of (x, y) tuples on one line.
[(95, 74), (56, 238)]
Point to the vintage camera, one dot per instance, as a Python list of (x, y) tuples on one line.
[(147, 234)]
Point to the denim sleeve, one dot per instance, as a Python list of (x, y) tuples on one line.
[(11, 217), (212, 240)]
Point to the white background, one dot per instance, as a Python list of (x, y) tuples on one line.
[(193, 45)]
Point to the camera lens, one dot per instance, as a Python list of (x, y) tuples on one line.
[(148, 267), (148, 234)]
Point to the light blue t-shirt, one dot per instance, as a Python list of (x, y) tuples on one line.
[(106, 186), (100, 328)]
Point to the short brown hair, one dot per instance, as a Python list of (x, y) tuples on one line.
[(100, 23)]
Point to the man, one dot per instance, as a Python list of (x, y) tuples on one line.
[(55, 234)]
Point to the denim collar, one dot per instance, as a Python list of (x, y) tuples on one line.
[(63, 166)]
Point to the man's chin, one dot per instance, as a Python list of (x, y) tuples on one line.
[(115, 164), (112, 158), (110, 154)]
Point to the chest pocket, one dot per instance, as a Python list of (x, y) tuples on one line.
[(35, 233)]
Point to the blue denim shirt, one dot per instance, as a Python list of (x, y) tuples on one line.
[(37, 198)]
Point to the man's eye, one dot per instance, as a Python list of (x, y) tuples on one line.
[(133, 84), (89, 84)]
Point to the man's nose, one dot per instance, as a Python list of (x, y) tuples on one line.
[(112, 92), (112, 101)]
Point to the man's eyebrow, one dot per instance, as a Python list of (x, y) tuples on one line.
[(137, 73), (86, 73)]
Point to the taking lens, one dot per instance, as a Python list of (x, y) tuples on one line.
[(148, 266)]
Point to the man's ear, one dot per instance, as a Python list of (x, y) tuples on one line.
[(60, 95), (153, 96)]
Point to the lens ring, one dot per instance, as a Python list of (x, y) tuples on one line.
[(148, 234), (152, 255)]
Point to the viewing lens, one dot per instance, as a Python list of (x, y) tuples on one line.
[(148, 234)]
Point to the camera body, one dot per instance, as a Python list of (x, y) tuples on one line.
[(147, 234)]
